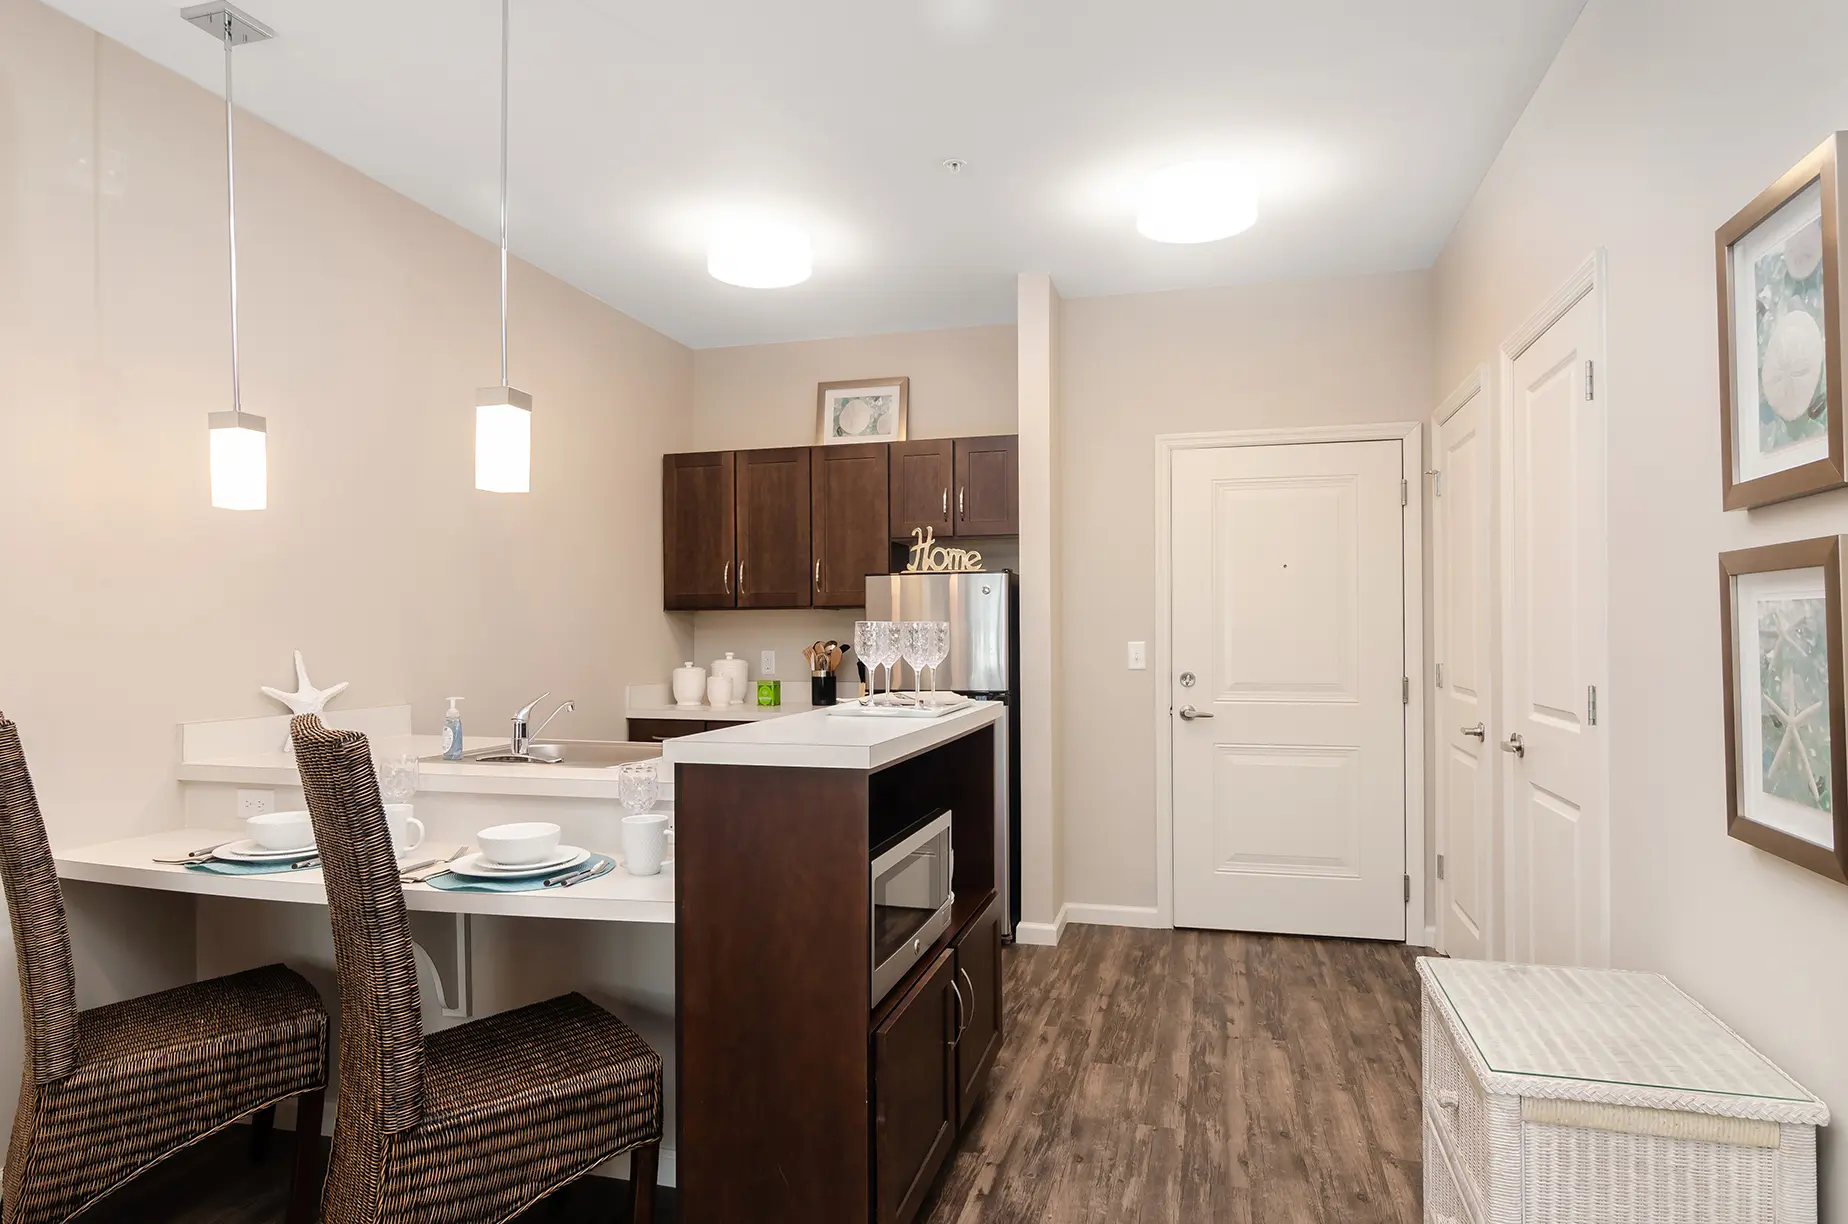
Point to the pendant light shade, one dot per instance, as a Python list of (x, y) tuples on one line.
[(503, 440), (503, 414), (240, 461), (240, 446)]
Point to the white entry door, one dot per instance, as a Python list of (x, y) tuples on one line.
[(1558, 843), (1288, 664), (1466, 717)]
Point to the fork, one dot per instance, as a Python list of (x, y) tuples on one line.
[(435, 866)]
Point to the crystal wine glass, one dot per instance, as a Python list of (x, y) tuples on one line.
[(890, 648), (638, 785), (866, 649), (939, 651), (915, 643)]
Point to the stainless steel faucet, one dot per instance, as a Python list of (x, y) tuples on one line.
[(522, 739)]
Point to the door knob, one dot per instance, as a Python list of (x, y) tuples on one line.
[(1188, 714), (1479, 731), (1515, 744)]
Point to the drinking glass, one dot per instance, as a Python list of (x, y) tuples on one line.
[(398, 776), (889, 651), (939, 651), (866, 649), (916, 638), (638, 785)]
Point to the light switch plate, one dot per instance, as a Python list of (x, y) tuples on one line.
[(767, 663), (1138, 656)]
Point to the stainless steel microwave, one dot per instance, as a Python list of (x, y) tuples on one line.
[(911, 900)]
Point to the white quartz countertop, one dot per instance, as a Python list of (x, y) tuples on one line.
[(614, 897), (724, 713), (821, 740)]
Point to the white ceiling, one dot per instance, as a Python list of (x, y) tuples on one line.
[(1368, 122)]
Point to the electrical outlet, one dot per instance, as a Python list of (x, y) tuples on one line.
[(1138, 656), (767, 663), (255, 803)]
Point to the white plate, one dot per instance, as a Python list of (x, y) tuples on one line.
[(249, 851), (481, 869)]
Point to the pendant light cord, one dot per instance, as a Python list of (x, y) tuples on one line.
[(231, 208), (503, 189)]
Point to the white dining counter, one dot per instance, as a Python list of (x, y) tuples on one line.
[(820, 739), (614, 897)]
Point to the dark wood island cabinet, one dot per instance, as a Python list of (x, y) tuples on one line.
[(800, 1098)]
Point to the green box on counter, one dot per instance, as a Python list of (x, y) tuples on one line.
[(769, 692)]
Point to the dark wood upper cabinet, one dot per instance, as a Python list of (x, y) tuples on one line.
[(923, 475), (699, 531), (848, 516), (987, 495), (773, 528), (978, 973), (914, 1093)]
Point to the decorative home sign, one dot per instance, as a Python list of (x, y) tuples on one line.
[(868, 410), (1780, 297), (930, 557), (1786, 743)]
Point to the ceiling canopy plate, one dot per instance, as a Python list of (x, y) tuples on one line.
[(211, 17)]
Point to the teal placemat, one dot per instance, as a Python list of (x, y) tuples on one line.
[(449, 881), (220, 867)]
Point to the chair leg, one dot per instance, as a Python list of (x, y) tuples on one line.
[(261, 1124), (305, 1184), (644, 1162)]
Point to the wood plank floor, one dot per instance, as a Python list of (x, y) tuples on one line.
[(1147, 1076)]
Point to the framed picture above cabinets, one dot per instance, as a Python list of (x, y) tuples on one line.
[(803, 526)]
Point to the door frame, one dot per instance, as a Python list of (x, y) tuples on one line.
[(1475, 386), (1590, 279), (1412, 463)]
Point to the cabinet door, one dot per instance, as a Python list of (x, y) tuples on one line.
[(849, 522), (698, 531), (656, 730), (978, 975), (988, 486), (923, 474), (773, 528), (914, 1093)]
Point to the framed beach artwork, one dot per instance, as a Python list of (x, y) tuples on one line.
[(1786, 744), (1780, 298), (866, 410)]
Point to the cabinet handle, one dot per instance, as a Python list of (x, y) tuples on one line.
[(740, 577), (964, 973), (728, 577), (962, 511), (961, 1011), (946, 504), (817, 575)]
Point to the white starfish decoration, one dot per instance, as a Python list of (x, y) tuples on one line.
[(1791, 740), (306, 699)]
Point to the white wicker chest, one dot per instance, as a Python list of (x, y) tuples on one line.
[(1594, 1096)]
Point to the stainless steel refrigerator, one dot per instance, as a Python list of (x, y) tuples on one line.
[(983, 611)]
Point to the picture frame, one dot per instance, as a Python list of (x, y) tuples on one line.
[(1786, 736), (1781, 383), (862, 410)]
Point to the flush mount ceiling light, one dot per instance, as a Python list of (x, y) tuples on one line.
[(1196, 202), (503, 414), (759, 253), (240, 449)]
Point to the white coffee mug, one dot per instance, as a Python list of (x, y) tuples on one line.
[(644, 843), (399, 820)]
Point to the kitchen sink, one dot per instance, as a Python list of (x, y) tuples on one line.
[(579, 754)]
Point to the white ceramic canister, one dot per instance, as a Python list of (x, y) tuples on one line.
[(739, 673), (689, 684), (718, 690)]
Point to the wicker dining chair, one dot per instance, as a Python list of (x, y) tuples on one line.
[(472, 1124), (107, 1092)]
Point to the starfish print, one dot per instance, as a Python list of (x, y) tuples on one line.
[(1792, 723)]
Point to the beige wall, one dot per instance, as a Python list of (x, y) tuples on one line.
[(1660, 119), (1330, 352), (128, 605)]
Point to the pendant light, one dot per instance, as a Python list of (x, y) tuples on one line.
[(240, 460), (503, 414)]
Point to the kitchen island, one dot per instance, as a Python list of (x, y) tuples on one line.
[(811, 1087)]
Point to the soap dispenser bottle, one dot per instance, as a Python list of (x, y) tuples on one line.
[(452, 732)]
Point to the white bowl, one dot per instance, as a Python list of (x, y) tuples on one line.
[(514, 845), (282, 830)]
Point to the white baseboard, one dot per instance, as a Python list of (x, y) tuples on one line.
[(1143, 916), (1430, 938), (1042, 934)]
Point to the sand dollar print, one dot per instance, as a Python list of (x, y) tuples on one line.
[(1792, 371)]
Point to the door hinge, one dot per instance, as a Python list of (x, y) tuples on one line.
[(1405, 690), (1440, 866), (1590, 382), (1405, 493), (1591, 705), (1440, 675), (1408, 890)]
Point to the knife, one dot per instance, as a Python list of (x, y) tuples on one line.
[(301, 864), (580, 875)]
